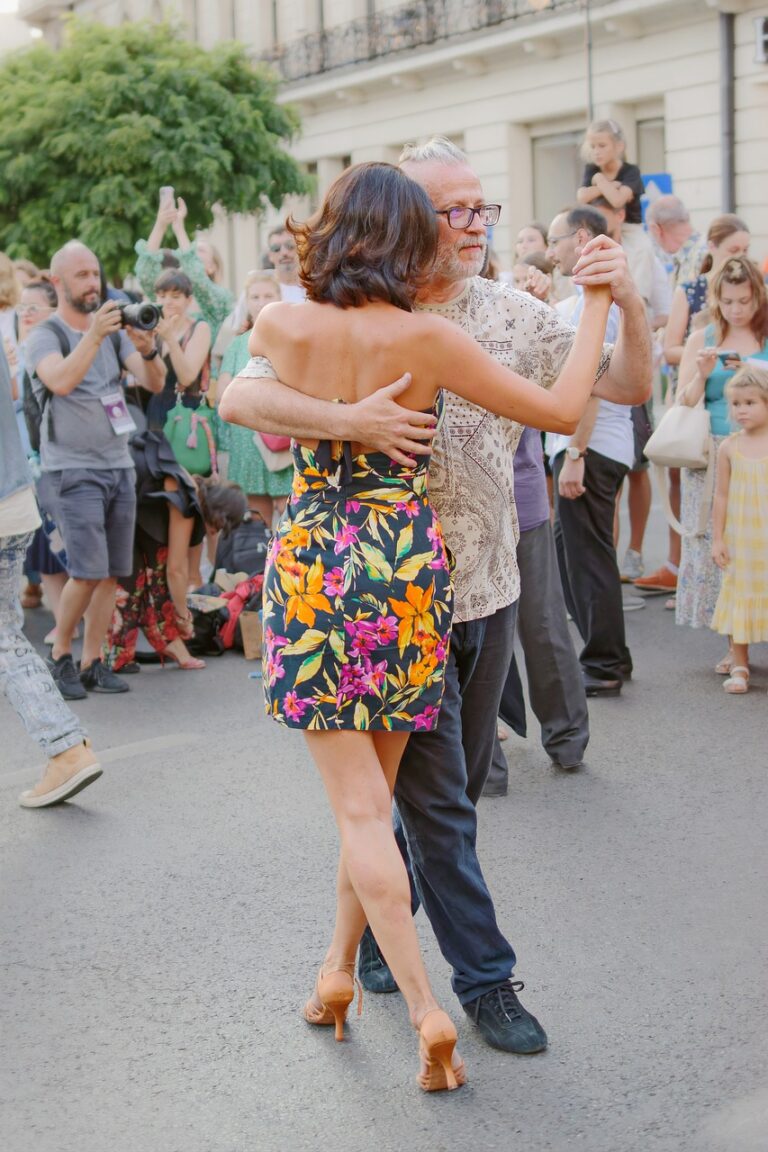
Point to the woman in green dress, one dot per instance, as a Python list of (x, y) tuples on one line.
[(266, 491)]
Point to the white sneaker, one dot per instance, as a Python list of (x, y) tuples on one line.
[(632, 603), (632, 567)]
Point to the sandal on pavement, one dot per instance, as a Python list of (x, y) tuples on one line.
[(724, 667), (738, 681)]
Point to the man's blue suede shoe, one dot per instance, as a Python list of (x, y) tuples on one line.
[(372, 970)]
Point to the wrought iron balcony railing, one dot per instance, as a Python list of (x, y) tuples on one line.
[(414, 25)]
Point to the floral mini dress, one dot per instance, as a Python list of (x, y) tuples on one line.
[(357, 596)]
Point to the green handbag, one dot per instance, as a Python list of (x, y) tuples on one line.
[(189, 431)]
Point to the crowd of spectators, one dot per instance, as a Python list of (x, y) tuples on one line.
[(127, 532)]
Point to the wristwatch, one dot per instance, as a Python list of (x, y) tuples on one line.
[(574, 453), (151, 356)]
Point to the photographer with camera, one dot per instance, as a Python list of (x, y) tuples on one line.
[(76, 360)]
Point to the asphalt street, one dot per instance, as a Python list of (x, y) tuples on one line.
[(161, 931)]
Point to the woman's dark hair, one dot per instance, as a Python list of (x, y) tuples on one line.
[(46, 287), (718, 232), (222, 504), (374, 238), (740, 270), (172, 280)]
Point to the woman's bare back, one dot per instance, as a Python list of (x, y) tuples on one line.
[(347, 354)]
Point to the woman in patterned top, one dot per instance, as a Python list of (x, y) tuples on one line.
[(357, 590)]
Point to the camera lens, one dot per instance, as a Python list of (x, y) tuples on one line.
[(144, 316)]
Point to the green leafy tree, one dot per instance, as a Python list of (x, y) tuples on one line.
[(91, 131)]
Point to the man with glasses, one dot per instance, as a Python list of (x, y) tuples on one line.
[(471, 485), (281, 254)]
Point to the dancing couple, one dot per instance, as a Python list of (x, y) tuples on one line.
[(358, 599)]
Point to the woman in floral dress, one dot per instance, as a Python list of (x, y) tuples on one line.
[(357, 601)]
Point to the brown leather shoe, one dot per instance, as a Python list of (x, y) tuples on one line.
[(32, 596), (65, 776), (662, 580)]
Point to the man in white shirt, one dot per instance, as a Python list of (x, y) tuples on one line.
[(588, 469)]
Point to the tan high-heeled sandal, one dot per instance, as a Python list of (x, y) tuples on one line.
[(336, 991), (437, 1040)]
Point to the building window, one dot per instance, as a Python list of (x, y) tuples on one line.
[(557, 172), (651, 145)]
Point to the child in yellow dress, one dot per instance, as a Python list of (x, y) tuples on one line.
[(740, 523)]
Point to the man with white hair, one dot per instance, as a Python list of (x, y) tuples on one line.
[(471, 486), (75, 360), (669, 225)]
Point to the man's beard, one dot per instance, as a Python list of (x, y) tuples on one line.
[(450, 266), (80, 304)]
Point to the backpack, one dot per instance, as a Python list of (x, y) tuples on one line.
[(34, 408), (244, 549)]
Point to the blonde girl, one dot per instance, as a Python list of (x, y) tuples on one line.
[(739, 330), (740, 523), (607, 172)]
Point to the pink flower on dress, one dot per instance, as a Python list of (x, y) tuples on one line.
[(274, 667), (410, 507), (426, 719), (352, 506), (273, 641), (347, 536), (351, 682), (364, 634), (293, 707), (375, 675), (387, 629), (333, 582)]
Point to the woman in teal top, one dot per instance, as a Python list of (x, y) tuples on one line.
[(266, 491), (739, 308)]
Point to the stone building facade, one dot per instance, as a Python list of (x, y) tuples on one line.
[(509, 80)]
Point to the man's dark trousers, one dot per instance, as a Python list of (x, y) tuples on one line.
[(588, 567), (440, 780)]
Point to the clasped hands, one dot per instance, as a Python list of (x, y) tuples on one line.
[(603, 263)]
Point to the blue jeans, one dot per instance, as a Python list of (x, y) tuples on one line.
[(24, 678), (439, 783)]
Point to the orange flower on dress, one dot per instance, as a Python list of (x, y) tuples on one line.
[(295, 537), (287, 564), (420, 672), (305, 595), (414, 614)]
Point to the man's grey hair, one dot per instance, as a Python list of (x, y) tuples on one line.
[(667, 210), (438, 149)]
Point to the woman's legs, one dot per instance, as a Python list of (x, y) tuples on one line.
[(359, 771)]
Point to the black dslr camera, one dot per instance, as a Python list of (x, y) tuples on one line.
[(143, 316)]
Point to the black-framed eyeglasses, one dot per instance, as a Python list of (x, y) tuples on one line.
[(552, 240), (460, 218)]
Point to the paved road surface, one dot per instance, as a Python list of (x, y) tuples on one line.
[(161, 932)]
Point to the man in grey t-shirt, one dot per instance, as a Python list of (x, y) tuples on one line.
[(88, 479)]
